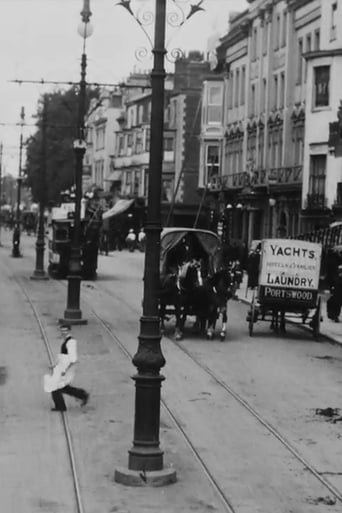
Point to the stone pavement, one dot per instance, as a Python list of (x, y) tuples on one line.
[(329, 329)]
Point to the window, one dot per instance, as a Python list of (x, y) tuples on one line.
[(212, 162), (237, 88), (308, 49), (252, 104), (282, 91), (99, 173), (284, 29), (317, 175), (265, 39), (147, 139), (299, 61), (254, 43), (263, 95), (261, 142), (230, 90), (298, 140), (100, 138), (277, 33), (243, 85), (333, 21), (317, 41), (214, 104), (321, 87), (139, 141), (140, 114), (168, 143), (275, 91)]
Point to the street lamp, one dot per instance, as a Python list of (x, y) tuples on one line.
[(73, 313), (39, 273), (145, 459), (16, 232)]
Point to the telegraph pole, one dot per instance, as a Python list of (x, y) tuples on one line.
[(39, 273), (16, 231)]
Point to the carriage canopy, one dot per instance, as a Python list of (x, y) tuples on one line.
[(171, 240)]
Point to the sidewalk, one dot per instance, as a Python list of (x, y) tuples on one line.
[(329, 329)]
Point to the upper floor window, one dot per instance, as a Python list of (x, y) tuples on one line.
[(254, 44), (243, 85), (333, 21), (321, 86), (277, 32), (263, 95), (140, 114), (100, 138), (284, 29), (252, 107), (275, 91), (215, 101), (299, 61), (317, 39), (307, 49), (282, 90), (212, 162), (265, 38), (168, 143), (237, 88)]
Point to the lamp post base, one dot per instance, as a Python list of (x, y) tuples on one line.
[(39, 275), (16, 253), (150, 478), (73, 317), (73, 313)]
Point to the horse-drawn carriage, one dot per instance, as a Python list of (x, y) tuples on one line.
[(287, 284), (195, 280)]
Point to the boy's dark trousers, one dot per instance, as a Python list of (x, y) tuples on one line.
[(57, 395)]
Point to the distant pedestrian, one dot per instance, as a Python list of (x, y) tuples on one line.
[(63, 373), (141, 239), (131, 240), (334, 303)]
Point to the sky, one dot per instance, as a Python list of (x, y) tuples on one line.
[(39, 40)]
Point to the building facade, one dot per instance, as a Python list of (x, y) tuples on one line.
[(271, 148)]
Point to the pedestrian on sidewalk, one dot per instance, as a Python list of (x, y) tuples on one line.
[(131, 240), (334, 303), (63, 373)]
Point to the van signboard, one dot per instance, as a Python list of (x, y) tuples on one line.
[(289, 272)]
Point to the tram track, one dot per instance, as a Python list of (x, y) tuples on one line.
[(67, 431), (244, 403), (222, 384)]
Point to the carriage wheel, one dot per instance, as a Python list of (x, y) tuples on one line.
[(252, 314), (316, 321)]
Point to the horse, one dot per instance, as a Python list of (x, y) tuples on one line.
[(205, 296)]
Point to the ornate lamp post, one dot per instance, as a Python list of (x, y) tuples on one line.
[(39, 273), (145, 460), (16, 232), (73, 313)]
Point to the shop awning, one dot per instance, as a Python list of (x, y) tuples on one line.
[(119, 207), (115, 176)]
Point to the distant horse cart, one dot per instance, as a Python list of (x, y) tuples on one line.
[(287, 284), (195, 280)]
